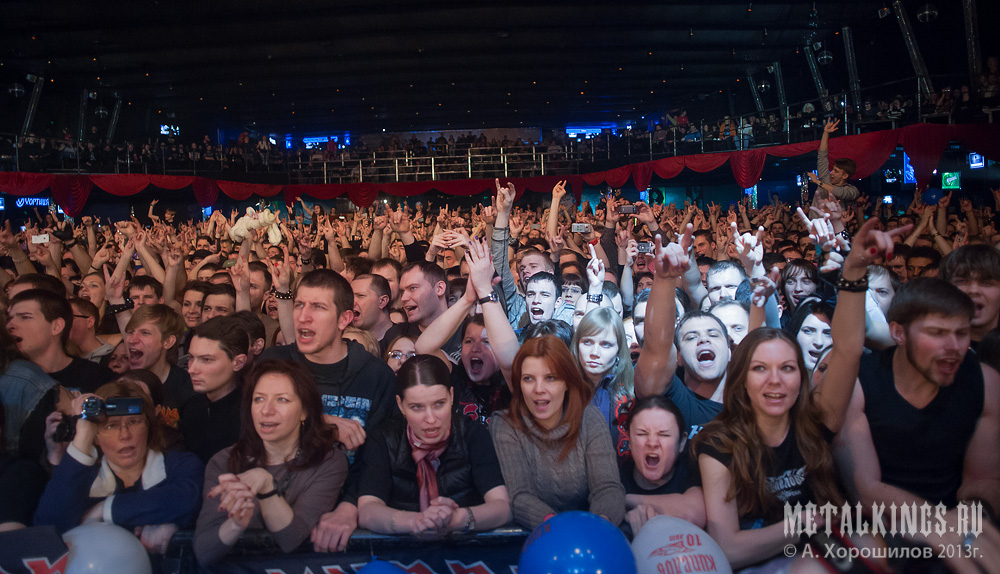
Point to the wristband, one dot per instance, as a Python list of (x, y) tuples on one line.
[(491, 298), (120, 308), (470, 521), (305, 260), (286, 296), (856, 286), (595, 298), (594, 241), (265, 495)]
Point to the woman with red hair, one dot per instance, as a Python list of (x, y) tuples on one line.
[(555, 450)]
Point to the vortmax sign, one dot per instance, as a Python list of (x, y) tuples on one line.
[(32, 202)]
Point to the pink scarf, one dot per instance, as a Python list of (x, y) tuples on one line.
[(425, 455)]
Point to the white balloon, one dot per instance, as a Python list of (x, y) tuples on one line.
[(102, 548), (668, 545)]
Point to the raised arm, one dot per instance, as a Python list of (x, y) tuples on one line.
[(502, 339), (658, 359), (833, 393)]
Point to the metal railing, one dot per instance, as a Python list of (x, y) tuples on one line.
[(446, 161)]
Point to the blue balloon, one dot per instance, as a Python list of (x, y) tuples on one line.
[(576, 542), (932, 195), (381, 567)]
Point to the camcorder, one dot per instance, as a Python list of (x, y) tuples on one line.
[(95, 408)]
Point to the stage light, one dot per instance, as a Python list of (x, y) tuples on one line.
[(16, 90), (101, 112), (825, 57), (927, 13), (763, 85)]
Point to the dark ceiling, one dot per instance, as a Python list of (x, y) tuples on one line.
[(367, 66)]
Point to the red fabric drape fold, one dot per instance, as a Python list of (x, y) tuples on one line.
[(24, 183), (206, 191), (71, 192), (705, 162), (239, 190), (362, 194), (171, 181), (747, 166), (669, 167), (121, 185)]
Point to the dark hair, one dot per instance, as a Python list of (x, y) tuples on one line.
[(42, 281), (149, 379), (473, 320), (795, 268), (971, 262), (924, 252), (657, 402), (379, 284), (924, 296), (387, 262), (575, 280), (122, 388), (847, 164), (556, 327), (735, 432), (432, 272), (696, 314), (251, 323), (704, 260), (202, 287), (343, 295), (425, 370), (260, 267), (228, 332), (52, 306), (143, 281), (86, 308), (545, 276), (357, 265), (706, 234), (316, 439), (720, 266), (578, 391), (809, 306)]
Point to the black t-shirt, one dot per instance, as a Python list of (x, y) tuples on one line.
[(83, 376), (685, 476), (697, 411), (21, 485), (177, 389), (786, 474), (209, 427)]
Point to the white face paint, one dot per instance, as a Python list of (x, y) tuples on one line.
[(737, 321), (813, 337)]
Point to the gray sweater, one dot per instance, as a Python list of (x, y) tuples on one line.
[(310, 493), (539, 484)]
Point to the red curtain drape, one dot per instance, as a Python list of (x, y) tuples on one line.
[(924, 143), (24, 183), (747, 166), (71, 192)]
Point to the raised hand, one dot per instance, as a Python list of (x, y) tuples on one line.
[(481, 269), (831, 126), (505, 196), (765, 286), (558, 192), (820, 230), (671, 261), (595, 272), (749, 248), (869, 243)]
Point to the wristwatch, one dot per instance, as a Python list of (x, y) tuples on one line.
[(595, 298), (470, 522), (491, 298)]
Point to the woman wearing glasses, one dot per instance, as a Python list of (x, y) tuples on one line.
[(130, 481), (400, 349)]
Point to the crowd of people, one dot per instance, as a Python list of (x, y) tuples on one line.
[(432, 371)]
